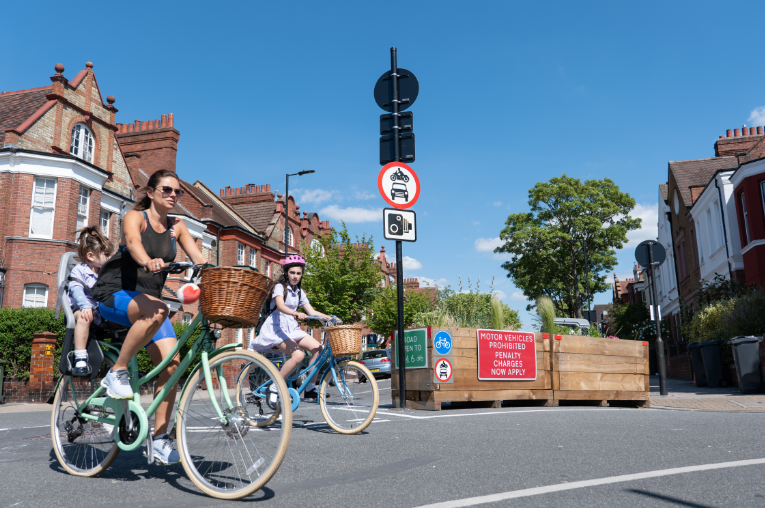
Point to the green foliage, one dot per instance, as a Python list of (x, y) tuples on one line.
[(341, 277), (545, 244), (17, 328), (383, 315), (496, 314), (471, 309), (632, 321), (546, 312), (708, 323), (747, 317)]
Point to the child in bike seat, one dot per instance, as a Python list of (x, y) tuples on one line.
[(281, 330), (94, 250)]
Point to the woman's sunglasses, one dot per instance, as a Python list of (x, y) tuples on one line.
[(166, 190)]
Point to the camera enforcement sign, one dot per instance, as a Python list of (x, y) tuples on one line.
[(398, 185), (506, 356), (399, 225)]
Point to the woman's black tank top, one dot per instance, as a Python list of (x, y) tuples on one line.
[(123, 272)]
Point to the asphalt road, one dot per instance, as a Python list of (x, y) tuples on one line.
[(415, 458)]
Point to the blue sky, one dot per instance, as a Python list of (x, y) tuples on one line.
[(511, 93)]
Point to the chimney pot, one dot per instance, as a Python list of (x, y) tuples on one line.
[(156, 123), (221, 192), (759, 130), (268, 187), (144, 125), (151, 124), (728, 133), (722, 137), (736, 133), (130, 127), (241, 190), (745, 131), (164, 121), (171, 120)]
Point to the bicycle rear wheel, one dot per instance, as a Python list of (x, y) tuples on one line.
[(354, 398), (82, 447), (230, 460), (252, 392)]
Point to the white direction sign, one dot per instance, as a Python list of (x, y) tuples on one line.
[(400, 225), (399, 185)]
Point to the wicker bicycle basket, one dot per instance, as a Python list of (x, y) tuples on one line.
[(233, 297), (344, 339)]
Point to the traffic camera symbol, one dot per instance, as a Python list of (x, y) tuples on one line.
[(397, 224)]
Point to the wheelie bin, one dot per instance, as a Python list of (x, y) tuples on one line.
[(698, 364), (710, 351), (746, 355)]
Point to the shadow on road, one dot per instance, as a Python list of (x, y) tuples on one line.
[(669, 499)]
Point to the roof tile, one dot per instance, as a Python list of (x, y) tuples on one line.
[(16, 107)]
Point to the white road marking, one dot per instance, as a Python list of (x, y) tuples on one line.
[(19, 428), (567, 410), (515, 494)]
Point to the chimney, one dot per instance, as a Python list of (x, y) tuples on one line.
[(154, 141)]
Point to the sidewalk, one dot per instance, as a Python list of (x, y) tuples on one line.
[(684, 395)]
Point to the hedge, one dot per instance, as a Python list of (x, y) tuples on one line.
[(17, 329)]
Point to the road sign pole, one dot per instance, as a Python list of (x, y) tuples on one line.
[(659, 342), (400, 347)]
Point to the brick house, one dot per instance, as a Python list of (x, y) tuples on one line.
[(61, 169)]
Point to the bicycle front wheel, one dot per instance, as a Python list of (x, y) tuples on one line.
[(349, 405), (230, 457), (252, 391), (82, 447)]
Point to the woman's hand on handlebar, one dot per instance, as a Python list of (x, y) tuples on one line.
[(155, 265)]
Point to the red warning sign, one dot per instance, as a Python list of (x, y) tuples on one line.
[(506, 356), (443, 370)]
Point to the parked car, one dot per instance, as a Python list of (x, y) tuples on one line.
[(577, 326), (378, 361)]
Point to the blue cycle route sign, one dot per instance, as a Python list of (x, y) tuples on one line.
[(442, 342)]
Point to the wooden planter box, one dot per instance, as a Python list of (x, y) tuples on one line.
[(569, 367), (588, 368), (423, 393)]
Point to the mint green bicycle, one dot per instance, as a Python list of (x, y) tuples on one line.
[(229, 448)]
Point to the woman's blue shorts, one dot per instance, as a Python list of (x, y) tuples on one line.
[(119, 314)]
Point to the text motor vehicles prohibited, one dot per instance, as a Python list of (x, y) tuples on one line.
[(506, 356), (442, 370), (442, 342), (399, 185), (400, 225)]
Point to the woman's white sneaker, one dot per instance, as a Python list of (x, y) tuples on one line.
[(164, 451), (117, 384)]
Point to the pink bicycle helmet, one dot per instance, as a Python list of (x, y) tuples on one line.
[(293, 259)]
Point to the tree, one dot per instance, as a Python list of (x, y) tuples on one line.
[(341, 276), (383, 315), (546, 243)]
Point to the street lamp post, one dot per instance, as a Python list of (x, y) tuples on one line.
[(287, 208)]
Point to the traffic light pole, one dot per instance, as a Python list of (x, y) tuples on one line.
[(659, 342), (400, 346)]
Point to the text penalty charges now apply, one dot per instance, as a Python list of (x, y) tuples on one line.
[(506, 355)]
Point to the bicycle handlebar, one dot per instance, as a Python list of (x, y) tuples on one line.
[(332, 321)]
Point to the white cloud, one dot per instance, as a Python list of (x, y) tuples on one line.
[(314, 195), (649, 226), (351, 214), (475, 223), (440, 283), (488, 244), (757, 116), (501, 295), (497, 203), (363, 195), (518, 296), (411, 263)]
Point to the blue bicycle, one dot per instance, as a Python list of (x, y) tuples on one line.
[(348, 394)]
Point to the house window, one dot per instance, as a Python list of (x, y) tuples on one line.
[(746, 217), (316, 246), (268, 269), (43, 207), (239, 335), (83, 204), (250, 336), (712, 241), (35, 295), (82, 143), (252, 258), (240, 254), (290, 239), (186, 319), (694, 248), (104, 223), (719, 224)]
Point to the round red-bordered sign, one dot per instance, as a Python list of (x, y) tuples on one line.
[(451, 370), (407, 186)]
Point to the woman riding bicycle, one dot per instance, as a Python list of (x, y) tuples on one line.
[(281, 330), (129, 289)]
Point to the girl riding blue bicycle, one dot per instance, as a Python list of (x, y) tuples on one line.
[(281, 330)]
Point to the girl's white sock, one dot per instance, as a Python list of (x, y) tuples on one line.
[(80, 357), (273, 388), (310, 386)]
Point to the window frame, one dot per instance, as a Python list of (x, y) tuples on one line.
[(240, 254), (84, 135), (290, 236), (108, 222), (52, 208), (87, 208), (36, 285), (186, 321), (253, 258), (746, 218)]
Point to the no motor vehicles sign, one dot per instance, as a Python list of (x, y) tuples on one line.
[(506, 356)]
